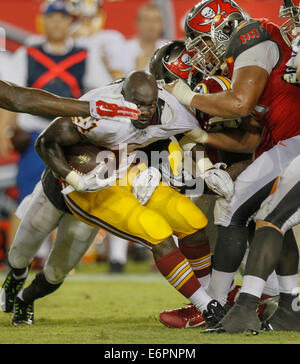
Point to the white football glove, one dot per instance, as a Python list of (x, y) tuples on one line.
[(181, 91), (219, 181), (291, 78), (91, 182), (145, 183)]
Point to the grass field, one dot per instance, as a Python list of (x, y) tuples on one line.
[(93, 307)]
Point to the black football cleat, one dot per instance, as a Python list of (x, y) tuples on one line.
[(242, 317), (23, 313), (213, 314), (9, 291), (287, 315)]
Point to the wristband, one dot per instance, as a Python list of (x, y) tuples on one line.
[(204, 164), (183, 93), (198, 135), (73, 179), (186, 143)]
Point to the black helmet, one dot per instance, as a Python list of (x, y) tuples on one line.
[(172, 61)]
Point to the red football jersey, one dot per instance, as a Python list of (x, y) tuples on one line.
[(278, 107)]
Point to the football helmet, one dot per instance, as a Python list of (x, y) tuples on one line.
[(290, 11), (83, 7), (89, 16), (210, 123), (208, 27), (172, 61)]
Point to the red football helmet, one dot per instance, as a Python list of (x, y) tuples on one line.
[(290, 11), (208, 27), (213, 85), (172, 61)]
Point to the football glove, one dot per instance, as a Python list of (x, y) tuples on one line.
[(291, 78), (90, 182), (145, 183), (219, 181)]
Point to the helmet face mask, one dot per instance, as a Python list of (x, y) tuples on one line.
[(172, 61), (291, 27), (207, 57), (212, 20)]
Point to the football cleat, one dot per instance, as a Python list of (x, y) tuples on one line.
[(213, 314), (267, 306), (242, 317), (9, 291), (182, 318), (23, 313), (286, 317)]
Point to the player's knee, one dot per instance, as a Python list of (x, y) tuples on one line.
[(18, 260), (82, 232), (55, 274), (163, 248)]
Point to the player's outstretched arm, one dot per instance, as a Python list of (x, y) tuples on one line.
[(39, 102)]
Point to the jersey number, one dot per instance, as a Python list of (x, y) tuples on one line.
[(250, 35)]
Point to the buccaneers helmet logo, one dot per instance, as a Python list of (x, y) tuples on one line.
[(182, 66), (211, 15)]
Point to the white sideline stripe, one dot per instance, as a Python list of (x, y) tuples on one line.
[(125, 277), (104, 277)]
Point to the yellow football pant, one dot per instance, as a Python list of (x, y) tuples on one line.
[(118, 211)]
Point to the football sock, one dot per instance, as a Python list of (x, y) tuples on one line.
[(38, 288), (230, 248), (199, 258), (219, 285), (289, 257), (263, 257), (176, 269), (229, 252), (20, 273)]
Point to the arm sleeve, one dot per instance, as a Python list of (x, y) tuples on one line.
[(264, 55)]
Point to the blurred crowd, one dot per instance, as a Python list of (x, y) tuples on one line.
[(73, 55)]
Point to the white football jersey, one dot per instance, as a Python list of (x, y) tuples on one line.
[(174, 118), (291, 68)]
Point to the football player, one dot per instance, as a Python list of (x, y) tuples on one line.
[(290, 31), (151, 219), (170, 62), (256, 55)]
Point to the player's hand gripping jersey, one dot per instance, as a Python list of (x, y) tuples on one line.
[(173, 118)]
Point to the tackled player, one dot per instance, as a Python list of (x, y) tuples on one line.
[(114, 207)]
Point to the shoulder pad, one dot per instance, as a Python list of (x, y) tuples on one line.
[(245, 36)]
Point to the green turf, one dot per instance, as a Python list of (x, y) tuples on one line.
[(97, 308)]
